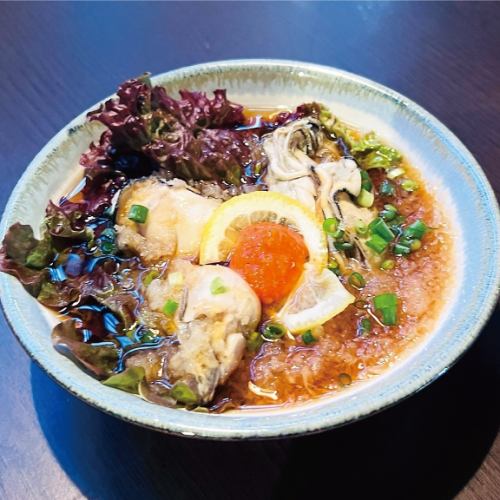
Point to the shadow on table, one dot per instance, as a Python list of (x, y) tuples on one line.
[(428, 446)]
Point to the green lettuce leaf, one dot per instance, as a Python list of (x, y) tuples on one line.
[(370, 152), (128, 380), (382, 157)]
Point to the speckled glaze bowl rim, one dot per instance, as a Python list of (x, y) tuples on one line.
[(305, 420)]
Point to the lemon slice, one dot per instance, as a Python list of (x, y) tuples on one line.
[(317, 298), (220, 234)]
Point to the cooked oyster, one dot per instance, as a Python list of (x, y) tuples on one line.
[(324, 186), (176, 216), (217, 309), (289, 150)]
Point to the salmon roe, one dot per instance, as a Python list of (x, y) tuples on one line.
[(270, 257)]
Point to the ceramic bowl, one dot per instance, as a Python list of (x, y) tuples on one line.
[(445, 164)]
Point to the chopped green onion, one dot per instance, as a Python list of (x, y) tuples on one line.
[(150, 276), (395, 225), (365, 198), (217, 286), (333, 266), (389, 213), (330, 225), (148, 337), (415, 245), (182, 393), (366, 182), (108, 247), (387, 305), (385, 300), (357, 280), (170, 307), (416, 230), (273, 331), (308, 337), (345, 379), (396, 229), (380, 228), (343, 246), (404, 240), (387, 265), (377, 243), (387, 188), (109, 234), (339, 233), (399, 219), (364, 327), (361, 228), (389, 316), (138, 213), (409, 185), (395, 172), (400, 249), (254, 341)]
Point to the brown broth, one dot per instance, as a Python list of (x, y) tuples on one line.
[(342, 355), (264, 113)]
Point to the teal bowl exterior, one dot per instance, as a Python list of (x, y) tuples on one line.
[(445, 163)]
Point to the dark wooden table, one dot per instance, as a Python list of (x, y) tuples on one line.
[(57, 59)]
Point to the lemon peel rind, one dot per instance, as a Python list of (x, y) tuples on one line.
[(338, 300), (288, 210)]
